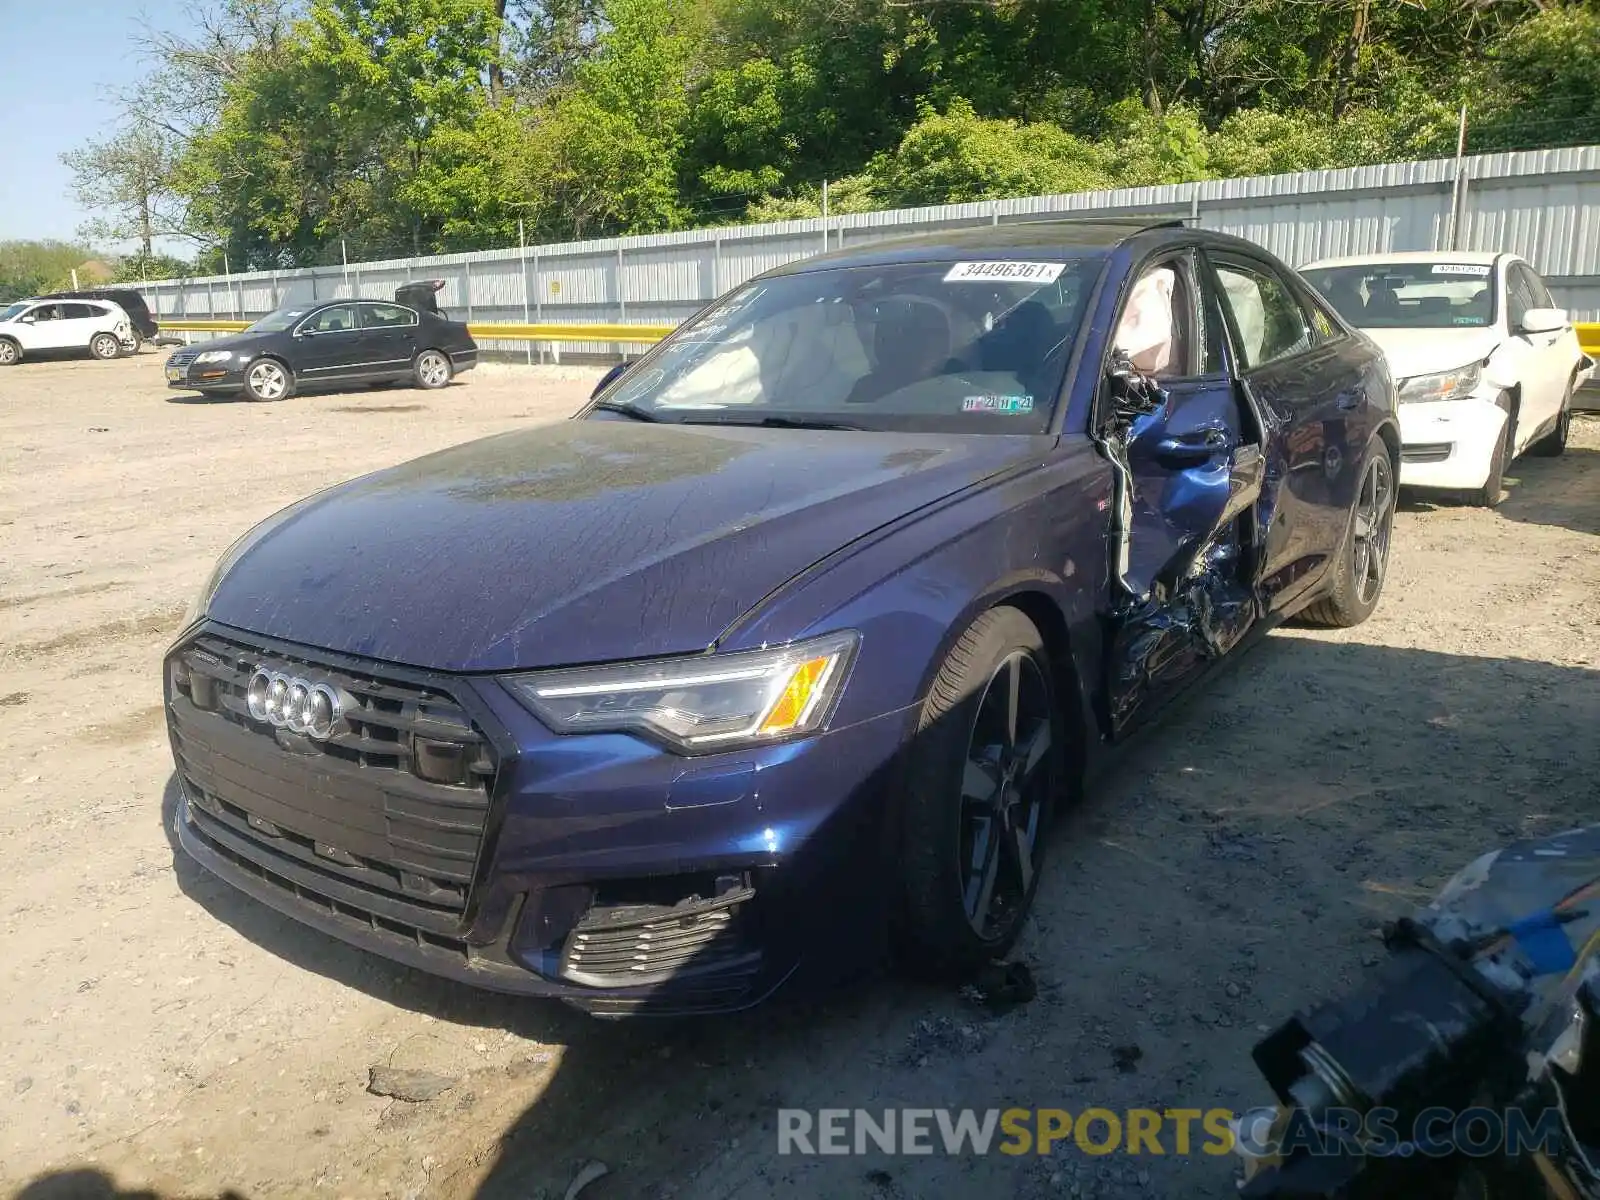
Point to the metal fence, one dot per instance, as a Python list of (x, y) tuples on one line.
[(1542, 204)]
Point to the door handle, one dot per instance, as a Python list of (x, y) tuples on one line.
[(1185, 451)]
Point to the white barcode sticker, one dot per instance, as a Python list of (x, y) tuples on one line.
[(1004, 272), (1474, 269)]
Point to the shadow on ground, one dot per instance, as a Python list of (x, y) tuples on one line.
[(91, 1185)]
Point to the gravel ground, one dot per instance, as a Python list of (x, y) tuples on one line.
[(160, 1031)]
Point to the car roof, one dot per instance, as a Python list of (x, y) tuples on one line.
[(1477, 258), (1013, 240)]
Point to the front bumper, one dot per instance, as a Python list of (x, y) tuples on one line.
[(579, 885), (189, 375), (1449, 444)]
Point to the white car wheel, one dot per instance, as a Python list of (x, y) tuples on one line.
[(10, 352)]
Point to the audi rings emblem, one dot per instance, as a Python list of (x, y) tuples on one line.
[(289, 702)]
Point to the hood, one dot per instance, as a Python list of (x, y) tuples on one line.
[(233, 341), (586, 541), (1413, 352)]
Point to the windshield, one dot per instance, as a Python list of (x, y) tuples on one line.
[(1419, 295), (969, 347), (15, 310), (277, 322)]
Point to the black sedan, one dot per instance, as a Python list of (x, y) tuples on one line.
[(801, 633), (332, 344)]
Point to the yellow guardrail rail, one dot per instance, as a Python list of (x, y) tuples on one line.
[(485, 330), (1588, 333), (1589, 339)]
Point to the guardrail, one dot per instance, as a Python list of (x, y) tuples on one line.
[(1588, 333), (499, 332), (1589, 339)]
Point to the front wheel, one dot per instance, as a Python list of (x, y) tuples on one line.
[(1364, 560), (982, 777), (432, 369), (1554, 443), (105, 346), (10, 353), (268, 379), (1488, 496)]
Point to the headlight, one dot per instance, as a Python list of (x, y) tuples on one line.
[(699, 705), (1446, 385), (206, 356)]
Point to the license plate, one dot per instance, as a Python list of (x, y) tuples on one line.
[(174, 373)]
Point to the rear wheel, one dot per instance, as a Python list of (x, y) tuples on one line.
[(1364, 561), (1554, 443), (268, 379), (982, 777), (10, 352), (432, 369), (105, 346)]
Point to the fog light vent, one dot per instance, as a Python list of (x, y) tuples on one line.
[(439, 762)]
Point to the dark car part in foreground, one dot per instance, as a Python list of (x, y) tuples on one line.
[(800, 633), (131, 302), (1466, 1064), (331, 344)]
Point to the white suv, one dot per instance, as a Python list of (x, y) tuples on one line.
[(98, 326), (1484, 362)]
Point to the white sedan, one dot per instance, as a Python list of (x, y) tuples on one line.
[(1484, 362), (98, 326)]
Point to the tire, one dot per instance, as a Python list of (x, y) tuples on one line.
[(10, 352), (963, 766), (1554, 443), (432, 369), (105, 346), (267, 380), (1488, 496), (1363, 564)]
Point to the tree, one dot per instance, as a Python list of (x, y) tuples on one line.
[(28, 268), (129, 178)]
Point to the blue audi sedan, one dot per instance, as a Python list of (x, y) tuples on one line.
[(783, 654)]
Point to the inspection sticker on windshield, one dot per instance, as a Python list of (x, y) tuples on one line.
[(1474, 269), (1004, 272), (998, 404)]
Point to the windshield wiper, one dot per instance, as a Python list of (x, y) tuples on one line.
[(627, 410), (772, 423)]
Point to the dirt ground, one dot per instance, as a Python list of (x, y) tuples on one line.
[(159, 1031)]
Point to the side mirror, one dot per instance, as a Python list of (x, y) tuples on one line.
[(305, 331), (29, 319), (1543, 320), (607, 378)]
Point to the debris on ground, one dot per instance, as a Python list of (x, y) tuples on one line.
[(414, 1087), (1126, 1058), (587, 1174), (1001, 986), (940, 1036)]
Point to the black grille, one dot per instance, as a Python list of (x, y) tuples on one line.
[(182, 358), (1426, 452), (634, 944), (350, 816)]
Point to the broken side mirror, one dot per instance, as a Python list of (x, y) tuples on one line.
[(607, 379)]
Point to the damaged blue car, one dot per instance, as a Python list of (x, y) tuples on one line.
[(787, 649)]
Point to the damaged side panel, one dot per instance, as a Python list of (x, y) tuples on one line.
[(1188, 486)]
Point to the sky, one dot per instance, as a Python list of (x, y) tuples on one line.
[(59, 59)]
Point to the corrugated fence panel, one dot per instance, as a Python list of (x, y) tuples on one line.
[(1542, 204)]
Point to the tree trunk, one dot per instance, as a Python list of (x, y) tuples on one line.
[(496, 73), (145, 237), (1152, 51), (1350, 60)]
